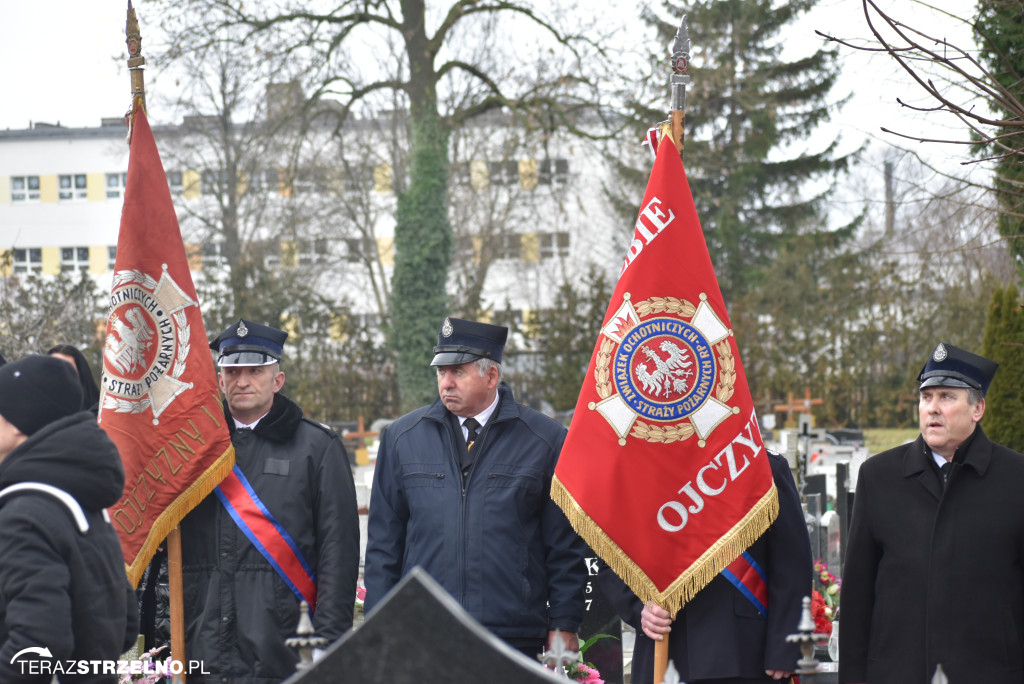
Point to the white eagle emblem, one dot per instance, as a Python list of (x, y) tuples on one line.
[(126, 345), (670, 375)]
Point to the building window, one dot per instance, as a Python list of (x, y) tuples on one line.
[(553, 245), (28, 260), (458, 174), (310, 181), (74, 259), (510, 246), (265, 182), (358, 250), (71, 187), (213, 183), (504, 173), (111, 257), (176, 183), (312, 251), (24, 188), (115, 185), (213, 254), (553, 171), (272, 255)]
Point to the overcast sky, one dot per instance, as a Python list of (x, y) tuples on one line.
[(65, 61)]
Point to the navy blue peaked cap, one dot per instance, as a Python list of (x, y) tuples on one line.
[(249, 344), (951, 366), (460, 341)]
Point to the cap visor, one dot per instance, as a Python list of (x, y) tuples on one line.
[(453, 358), (246, 358), (946, 381)]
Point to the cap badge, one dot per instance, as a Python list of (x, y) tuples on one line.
[(939, 355), (446, 328), (242, 330)]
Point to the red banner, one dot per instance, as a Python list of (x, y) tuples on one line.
[(664, 470), (160, 403)]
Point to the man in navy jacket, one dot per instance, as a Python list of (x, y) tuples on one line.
[(461, 488)]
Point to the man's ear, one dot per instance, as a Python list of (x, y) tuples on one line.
[(979, 410), (278, 381)]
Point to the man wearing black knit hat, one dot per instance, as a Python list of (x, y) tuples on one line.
[(933, 573), (63, 586)]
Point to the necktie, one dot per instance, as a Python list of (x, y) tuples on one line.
[(473, 427), (946, 469)]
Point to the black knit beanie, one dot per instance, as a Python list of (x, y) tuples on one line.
[(37, 390)]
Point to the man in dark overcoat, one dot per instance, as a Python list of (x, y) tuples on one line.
[(934, 571), (720, 637), (282, 528)]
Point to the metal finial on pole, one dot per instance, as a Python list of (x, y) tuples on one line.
[(680, 79), (805, 636), (136, 62), (306, 640), (559, 657)]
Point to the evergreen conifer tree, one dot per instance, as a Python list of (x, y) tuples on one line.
[(999, 30), (748, 116), (1004, 330)]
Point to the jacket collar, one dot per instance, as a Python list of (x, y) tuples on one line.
[(280, 423), (975, 453)]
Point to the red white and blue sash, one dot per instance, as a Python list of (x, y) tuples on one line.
[(750, 579), (267, 535)]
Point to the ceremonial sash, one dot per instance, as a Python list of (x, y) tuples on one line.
[(267, 535), (749, 578)]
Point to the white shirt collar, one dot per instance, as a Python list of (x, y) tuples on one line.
[(239, 425), (484, 415), (939, 460)]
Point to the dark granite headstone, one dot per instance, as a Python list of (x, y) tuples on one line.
[(843, 507), (600, 618), (419, 634), (816, 485)]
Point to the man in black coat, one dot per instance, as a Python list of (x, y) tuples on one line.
[(934, 570), (66, 606), (291, 491), (720, 637)]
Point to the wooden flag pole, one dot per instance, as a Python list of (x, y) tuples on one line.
[(660, 659), (136, 64), (177, 602), (680, 62)]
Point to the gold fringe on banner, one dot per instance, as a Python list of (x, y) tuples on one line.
[(734, 542), (172, 515)]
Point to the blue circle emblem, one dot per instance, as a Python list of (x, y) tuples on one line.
[(665, 369)]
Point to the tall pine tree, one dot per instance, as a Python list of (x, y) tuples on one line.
[(749, 114)]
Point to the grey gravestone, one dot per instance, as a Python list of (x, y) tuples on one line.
[(419, 634), (600, 618), (812, 517), (830, 529)]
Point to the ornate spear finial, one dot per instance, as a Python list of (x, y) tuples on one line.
[(680, 79), (136, 62)]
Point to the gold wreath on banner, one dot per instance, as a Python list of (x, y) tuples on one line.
[(726, 375)]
